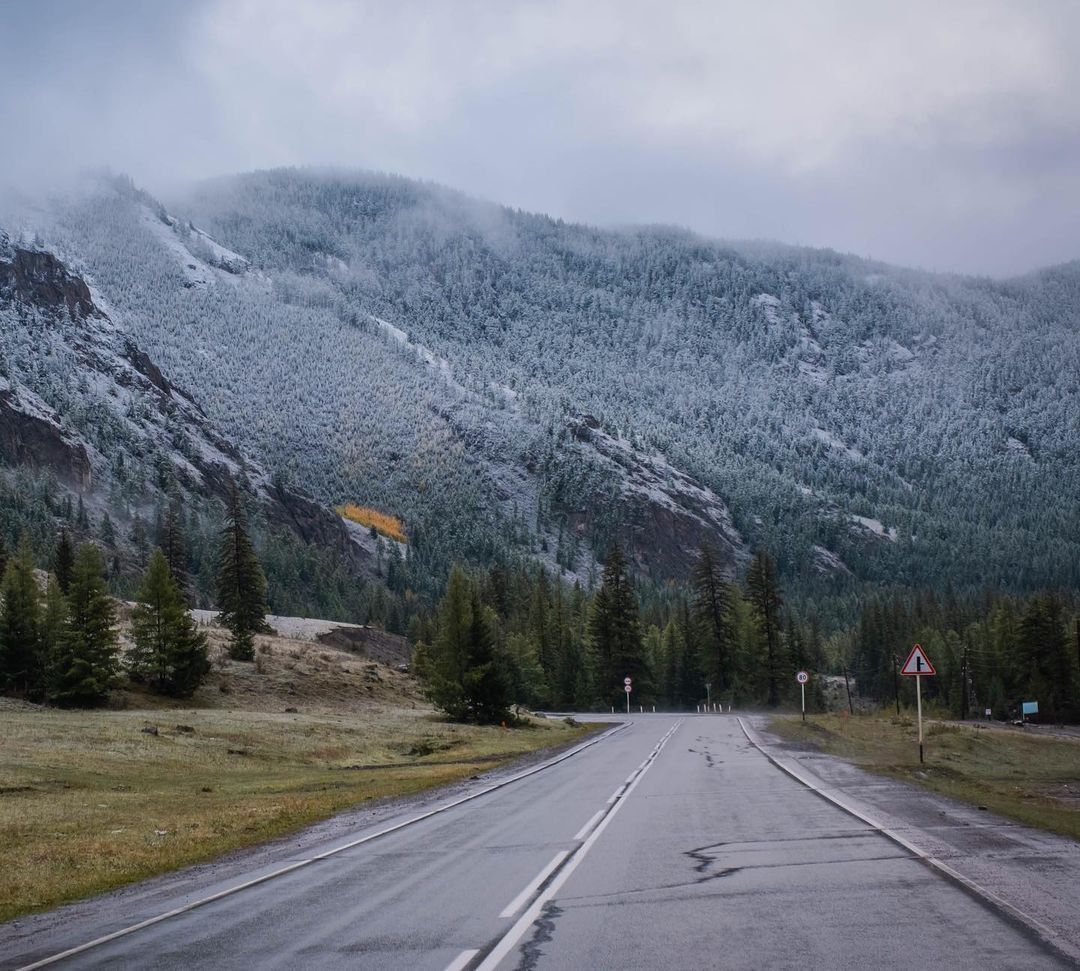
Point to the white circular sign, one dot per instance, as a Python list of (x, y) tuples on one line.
[(802, 677), (627, 681), (626, 688)]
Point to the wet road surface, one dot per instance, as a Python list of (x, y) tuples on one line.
[(673, 843)]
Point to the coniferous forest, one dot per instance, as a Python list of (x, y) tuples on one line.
[(572, 455)]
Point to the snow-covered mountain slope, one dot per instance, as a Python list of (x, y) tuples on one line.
[(80, 400), (397, 344)]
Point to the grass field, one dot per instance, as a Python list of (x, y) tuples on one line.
[(91, 800), (1034, 779)]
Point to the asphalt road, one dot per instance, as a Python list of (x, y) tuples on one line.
[(671, 844)]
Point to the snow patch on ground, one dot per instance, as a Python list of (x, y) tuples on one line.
[(199, 255), (769, 305), (1016, 447), (294, 628), (835, 443), (439, 365), (826, 561), (876, 527)]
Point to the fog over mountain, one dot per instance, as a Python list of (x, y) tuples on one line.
[(933, 135), (517, 386)]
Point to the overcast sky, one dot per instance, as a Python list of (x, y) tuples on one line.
[(942, 134)]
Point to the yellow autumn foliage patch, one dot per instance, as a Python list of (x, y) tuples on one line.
[(390, 526)]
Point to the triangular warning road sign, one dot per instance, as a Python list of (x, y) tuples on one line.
[(917, 662)]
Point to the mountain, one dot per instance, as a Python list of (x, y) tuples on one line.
[(83, 406), (514, 385)]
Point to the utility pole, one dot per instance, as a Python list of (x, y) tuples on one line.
[(964, 683), (847, 684)]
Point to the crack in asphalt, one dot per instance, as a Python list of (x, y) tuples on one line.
[(531, 951)]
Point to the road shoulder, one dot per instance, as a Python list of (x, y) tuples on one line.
[(1033, 871)]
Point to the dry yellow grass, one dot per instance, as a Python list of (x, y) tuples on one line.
[(89, 801), (1030, 778), (384, 523)]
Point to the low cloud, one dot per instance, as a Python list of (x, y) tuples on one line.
[(940, 135)]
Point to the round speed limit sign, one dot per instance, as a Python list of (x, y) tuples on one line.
[(802, 677)]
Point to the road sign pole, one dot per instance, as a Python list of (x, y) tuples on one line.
[(918, 698), (803, 687), (628, 704)]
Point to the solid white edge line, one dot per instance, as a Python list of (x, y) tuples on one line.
[(510, 939), (584, 831), (461, 961), (523, 898), (1048, 936), (229, 891)]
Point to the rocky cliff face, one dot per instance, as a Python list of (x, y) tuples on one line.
[(79, 399), (666, 516)]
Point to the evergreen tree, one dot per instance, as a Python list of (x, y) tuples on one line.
[(172, 543), (527, 683), (170, 652), (712, 614), (441, 665), (241, 583), (64, 561), (463, 671), (53, 631), (1048, 659), (3, 555), (615, 634), (485, 685), (86, 662), (138, 533), (540, 628), (690, 680), (108, 531), (765, 601), (21, 666)]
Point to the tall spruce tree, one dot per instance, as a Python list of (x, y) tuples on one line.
[(53, 631), (441, 664), (690, 679), (765, 602), (21, 663), (462, 669), (241, 583), (86, 660), (172, 543), (615, 634), (485, 685), (169, 652), (712, 616), (1048, 659), (64, 561)]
